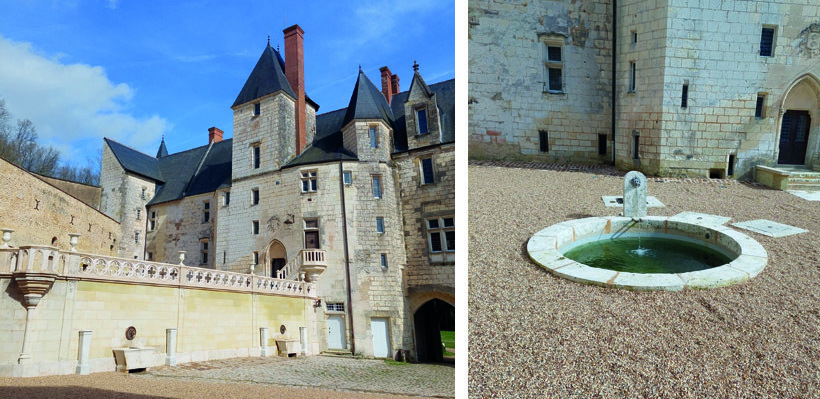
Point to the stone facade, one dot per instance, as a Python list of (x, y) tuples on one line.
[(280, 210), (43, 213), (123, 198), (710, 47)]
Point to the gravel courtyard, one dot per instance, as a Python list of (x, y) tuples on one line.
[(532, 334)]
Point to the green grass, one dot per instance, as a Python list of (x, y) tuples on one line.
[(449, 338), (395, 363)]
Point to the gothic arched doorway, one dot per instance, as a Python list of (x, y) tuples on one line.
[(276, 258), (429, 321), (798, 140)]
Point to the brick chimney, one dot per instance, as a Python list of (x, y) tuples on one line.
[(394, 81), (214, 135), (387, 83), (295, 72)]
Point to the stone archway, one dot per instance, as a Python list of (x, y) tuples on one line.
[(276, 258), (429, 320), (798, 132)]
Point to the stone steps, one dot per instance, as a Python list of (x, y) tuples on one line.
[(804, 181), (338, 353)]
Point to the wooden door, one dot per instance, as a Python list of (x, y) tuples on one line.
[(381, 339), (794, 137)]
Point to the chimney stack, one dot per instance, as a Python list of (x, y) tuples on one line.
[(214, 135), (295, 73), (395, 83), (387, 83)]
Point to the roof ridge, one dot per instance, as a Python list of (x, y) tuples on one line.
[(128, 147)]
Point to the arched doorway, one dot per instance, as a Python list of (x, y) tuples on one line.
[(276, 258), (429, 321), (799, 133)]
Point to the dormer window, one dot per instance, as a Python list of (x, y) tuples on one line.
[(257, 109), (421, 121)]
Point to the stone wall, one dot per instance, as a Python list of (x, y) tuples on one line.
[(123, 198), (509, 102), (211, 324), (711, 46), (426, 271), (40, 212), (180, 226), (417, 99), (273, 129)]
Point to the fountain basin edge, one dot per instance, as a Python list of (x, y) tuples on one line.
[(547, 247)]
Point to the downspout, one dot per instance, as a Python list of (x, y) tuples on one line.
[(347, 260), (614, 63)]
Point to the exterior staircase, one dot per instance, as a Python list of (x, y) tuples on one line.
[(808, 180), (338, 353)]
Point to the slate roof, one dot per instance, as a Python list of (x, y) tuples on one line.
[(134, 161), (367, 102), (183, 180), (327, 144), (267, 77)]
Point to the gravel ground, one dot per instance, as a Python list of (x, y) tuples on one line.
[(532, 334)]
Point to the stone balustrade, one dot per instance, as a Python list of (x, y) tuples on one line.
[(46, 259)]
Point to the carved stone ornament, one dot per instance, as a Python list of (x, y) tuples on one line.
[(810, 41), (274, 224), (130, 333), (282, 329)]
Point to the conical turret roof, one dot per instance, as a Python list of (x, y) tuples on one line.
[(267, 77)]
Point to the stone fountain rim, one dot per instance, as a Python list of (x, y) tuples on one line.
[(546, 248)]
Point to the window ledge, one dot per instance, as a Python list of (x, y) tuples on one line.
[(553, 92)]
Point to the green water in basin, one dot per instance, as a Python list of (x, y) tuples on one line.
[(650, 255)]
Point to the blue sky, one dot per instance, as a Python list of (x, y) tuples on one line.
[(134, 71)]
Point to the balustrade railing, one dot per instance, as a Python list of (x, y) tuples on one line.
[(103, 268)]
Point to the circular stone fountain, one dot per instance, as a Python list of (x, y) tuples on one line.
[(746, 257)]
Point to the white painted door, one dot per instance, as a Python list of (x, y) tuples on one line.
[(381, 339), (336, 332)]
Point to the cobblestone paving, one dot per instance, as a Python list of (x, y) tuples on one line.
[(345, 374)]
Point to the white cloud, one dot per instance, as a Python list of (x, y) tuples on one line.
[(70, 103)]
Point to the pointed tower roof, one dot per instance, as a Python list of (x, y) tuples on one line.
[(267, 77), (418, 79), (367, 102), (162, 152)]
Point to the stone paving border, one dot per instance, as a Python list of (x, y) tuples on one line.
[(769, 228), (806, 195), (611, 201), (606, 170), (547, 246)]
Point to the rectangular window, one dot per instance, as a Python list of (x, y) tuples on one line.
[(347, 177), (312, 234), (142, 196), (255, 257), (139, 213), (255, 227), (257, 109), (309, 183), (602, 144), (543, 141), (555, 69), (203, 250), (730, 169), (150, 256), (632, 76), (335, 306), (636, 146), (684, 96), (374, 137), (377, 187), (383, 260), (256, 155), (767, 41), (227, 198), (759, 106), (427, 176), (441, 234), (255, 196), (634, 37), (380, 225), (137, 236), (421, 120), (206, 212)]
